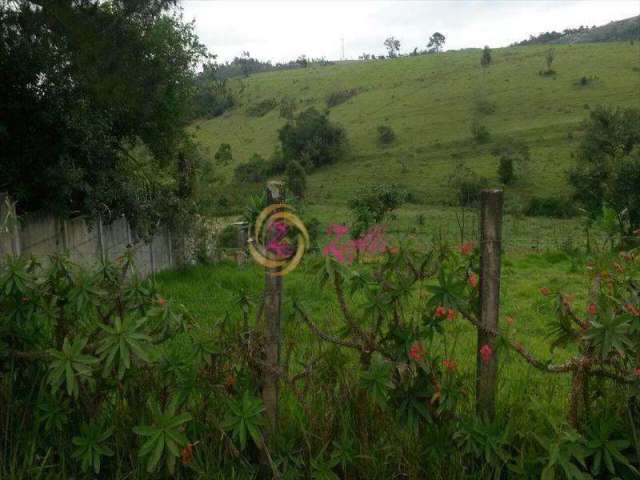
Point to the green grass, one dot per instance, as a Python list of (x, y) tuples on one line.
[(429, 101)]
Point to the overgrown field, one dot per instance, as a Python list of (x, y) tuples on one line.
[(429, 102)]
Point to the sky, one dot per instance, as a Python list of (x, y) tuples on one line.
[(283, 30)]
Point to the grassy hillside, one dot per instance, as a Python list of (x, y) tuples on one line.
[(430, 102)]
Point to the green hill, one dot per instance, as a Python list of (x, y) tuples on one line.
[(430, 102)]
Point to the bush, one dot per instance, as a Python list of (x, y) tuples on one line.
[(372, 204), (479, 132), (260, 109), (223, 155), (287, 108), (554, 207), (212, 99), (228, 237), (468, 190), (341, 96), (255, 170), (386, 135), (296, 178), (312, 140), (505, 170)]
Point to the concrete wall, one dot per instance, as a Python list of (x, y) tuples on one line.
[(84, 240)]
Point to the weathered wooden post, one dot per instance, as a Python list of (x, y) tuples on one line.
[(491, 202), (272, 305)]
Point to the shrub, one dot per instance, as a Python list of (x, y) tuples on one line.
[(287, 108), (608, 154), (554, 207), (372, 204), (505, 170), (255, 170), (312, 140), (386, 135), (479, 132), (212, 100), (261, 108), (228, 237), (485, 59), (341, 96), (223, 155), (296, 178), (484, 106)]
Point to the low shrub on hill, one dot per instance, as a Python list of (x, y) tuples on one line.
[(341, 96), (386, 135), (554, 207), (261, 108)]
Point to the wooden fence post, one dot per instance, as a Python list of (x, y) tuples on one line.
[(272, 305), (491, 202)]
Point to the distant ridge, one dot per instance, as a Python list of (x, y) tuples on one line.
[(621, 30)]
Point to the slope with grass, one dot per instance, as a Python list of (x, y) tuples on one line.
[(430, 102)]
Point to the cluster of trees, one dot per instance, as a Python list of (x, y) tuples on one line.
[(95, 97), (308, 141), (392, 45), (548, 37), (246, 65)]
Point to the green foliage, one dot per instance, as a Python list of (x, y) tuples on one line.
[(336, 98), (370, 206), (386, 135), (608, 165), (261, 108), (554, 207), (111, 134), (479, 132), (164, 436), (485, 59), (212, 96), (312, 140), (436, 42), (605, 447), (255, 170), (244, 419), (505, 170), (296, 179), (70, 366), (90, 446), (224, 155)]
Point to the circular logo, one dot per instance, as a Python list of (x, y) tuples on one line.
[(274, 245)]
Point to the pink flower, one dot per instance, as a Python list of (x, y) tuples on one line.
[(467, 247), (485, 352), (162, 301), (545, 291), (332, 248), (473, 280), (451, 314), (337, 230), (592, 309), (280, 249), (416, 352), (637, 372), (440, 312)]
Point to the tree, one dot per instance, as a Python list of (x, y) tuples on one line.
[(393, 46), (436, 42), (296, 178), (505, 170), (485, 60), (549, 57), (223, 156), (312, 140), (608, 166), (96, 98)]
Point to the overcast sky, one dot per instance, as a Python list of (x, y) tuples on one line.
[(283, 30)]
